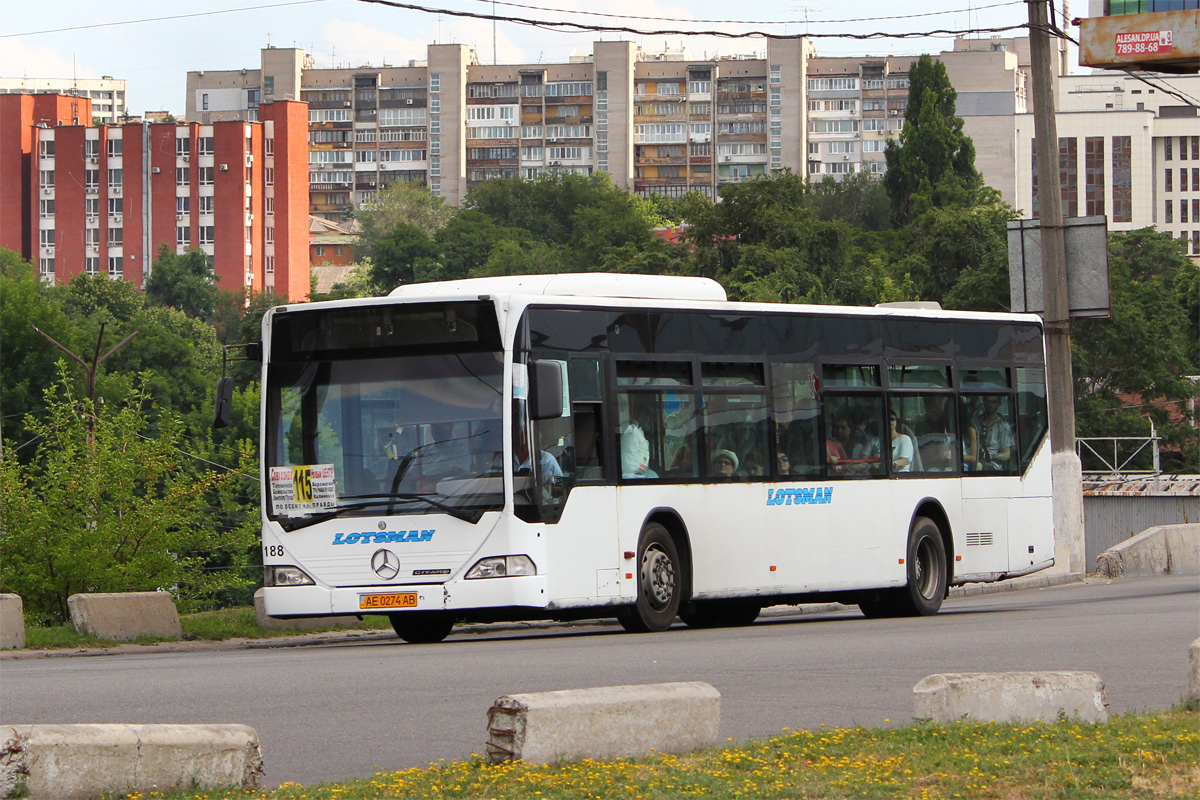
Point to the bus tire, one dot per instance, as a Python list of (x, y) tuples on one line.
[(659, 583), (422, 627), (925, 562), (927, 571)]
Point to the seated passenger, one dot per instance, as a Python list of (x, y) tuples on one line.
[(635, 453), (902, 447), (724, 464)]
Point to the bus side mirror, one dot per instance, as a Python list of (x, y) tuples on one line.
[(545, 390), (224, 404)]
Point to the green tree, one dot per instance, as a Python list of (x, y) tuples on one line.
[(183, 282), (1136, 364), (933, 163), (400, 204), (958, 255), (121, 511), (27, 361), (395, 256)]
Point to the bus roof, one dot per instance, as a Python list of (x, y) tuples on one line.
[(582, 284)]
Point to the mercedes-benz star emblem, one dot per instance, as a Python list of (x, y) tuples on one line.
[(386, 564)]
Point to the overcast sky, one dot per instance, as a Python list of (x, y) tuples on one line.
[(64, 38)]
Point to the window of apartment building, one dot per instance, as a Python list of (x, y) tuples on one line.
[(531, 173), (564, 153), (1068, 175), (1183, 179), (839, 167), (46, 237), (776, 74), (561, 112), (531, 153), (91, 237), (874, 104), (206, 205), (183, 204), (91, 265), (91, 148), (46, 148), (874, 145), (700, 109), (114, 147), (46, 179), (116, 206), (270, 234), (91, 180), (1167, 147), (115, 267), (874, 124), (875, 167), (1196, 243), (206, 176), (46, 208), (1196, 179), (1196, 210), (206, 234), (1195, 148), (1093, 168), (701, 87), (46, 268), (1183, 211), (1168, 179), (814, 167), (249, 234), (831, 84), (204, 145), (700, 149), (897, 83), (268, 205), (114, 178), (116, 237), (837, 148), (182, 176), (832, 126), (269, 265), (1122, 147), (183, 235), (91, 207), (204, 101), (269, 176), (183, 146), (1169, 212)]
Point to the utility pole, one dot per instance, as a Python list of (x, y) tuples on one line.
[(1066, 472), (90, 369)]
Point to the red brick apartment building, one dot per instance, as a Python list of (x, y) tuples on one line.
[(77, 198)]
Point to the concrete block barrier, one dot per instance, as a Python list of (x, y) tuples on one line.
[(1010, 697), (77, 762), (1193, 693), (1161, 550), (123, 616), (303, 624), (605, 722), (12, 622)]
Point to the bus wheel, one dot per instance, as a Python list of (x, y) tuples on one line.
[(422, 627), (927, 576), (659, 583), (927, 572)]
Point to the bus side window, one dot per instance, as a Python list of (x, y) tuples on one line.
[(588, 452), (794, 405)]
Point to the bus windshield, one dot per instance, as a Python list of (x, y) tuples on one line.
[(391, 435)]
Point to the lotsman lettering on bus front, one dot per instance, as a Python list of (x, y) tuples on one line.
[(818, 495), (383, 537)]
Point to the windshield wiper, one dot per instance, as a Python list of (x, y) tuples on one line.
[(472, 516)]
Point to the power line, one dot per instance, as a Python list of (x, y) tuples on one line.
[(752, 22), (755, 34), (159, 19)]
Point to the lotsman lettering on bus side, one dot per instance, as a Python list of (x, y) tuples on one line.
[(384, 537), (800, 497)]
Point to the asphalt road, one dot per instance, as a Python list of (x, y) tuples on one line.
[(343, 709)]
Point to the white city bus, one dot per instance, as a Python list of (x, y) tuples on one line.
[(571, 446)]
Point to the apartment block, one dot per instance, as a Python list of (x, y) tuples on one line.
[(107, 94), (102, 199)]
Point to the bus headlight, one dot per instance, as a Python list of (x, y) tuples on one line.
[(286, 576), (502, 567)]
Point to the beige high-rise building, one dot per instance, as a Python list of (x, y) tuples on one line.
[(107, 94)]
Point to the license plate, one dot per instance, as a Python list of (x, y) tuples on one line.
[(398, 600)]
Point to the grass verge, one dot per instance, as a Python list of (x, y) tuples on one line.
[(1135, 756), (226, 623)]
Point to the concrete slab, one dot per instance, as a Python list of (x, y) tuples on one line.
[(76, 762), (1161, 550), (1010, 697), (124, 616), (12, 622), (604, 722), (270, 623)]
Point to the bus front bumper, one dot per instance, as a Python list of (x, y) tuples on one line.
[(316, 601)]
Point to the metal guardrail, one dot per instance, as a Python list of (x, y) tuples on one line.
[(1117, 464)]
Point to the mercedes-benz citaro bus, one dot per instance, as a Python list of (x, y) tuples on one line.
[(639, 447)]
